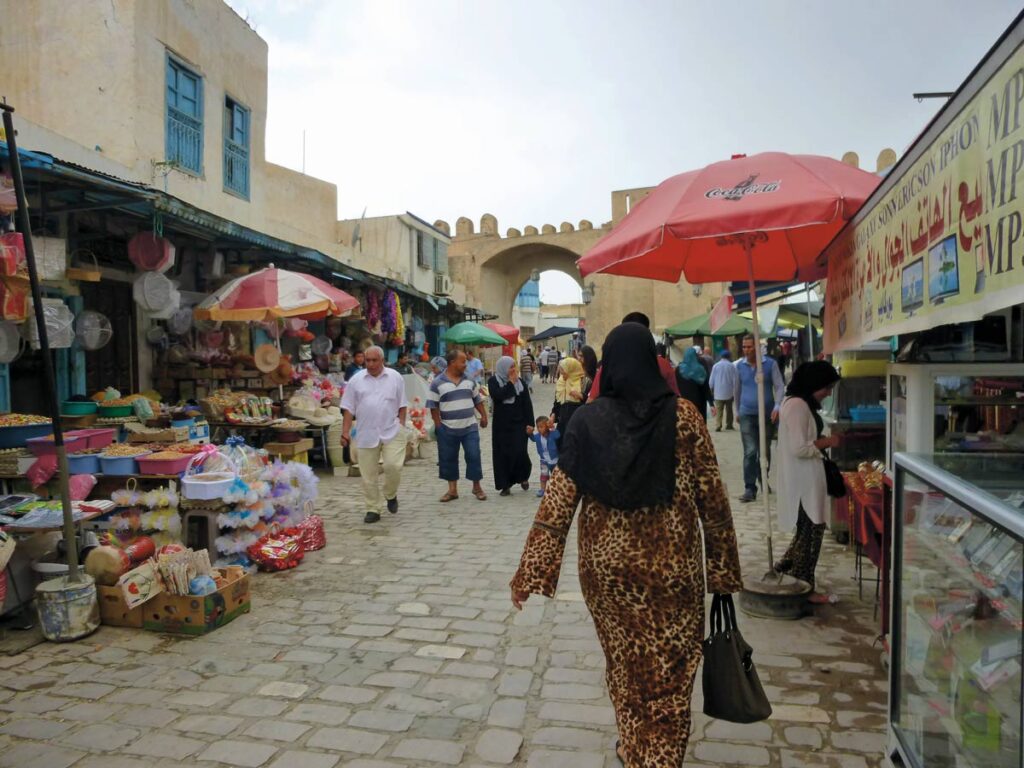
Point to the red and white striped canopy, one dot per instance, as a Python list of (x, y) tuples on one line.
[(271, 293)]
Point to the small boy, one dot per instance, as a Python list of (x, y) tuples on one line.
[(547, 448)]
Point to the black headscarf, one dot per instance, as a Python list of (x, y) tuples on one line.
[(620, 449), (808, 379)]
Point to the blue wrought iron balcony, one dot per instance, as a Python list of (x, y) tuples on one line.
[(236, 169), (184, 140)]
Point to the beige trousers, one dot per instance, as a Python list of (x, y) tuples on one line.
[(393, 453)]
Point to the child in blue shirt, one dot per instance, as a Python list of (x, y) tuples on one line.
[(545, 439)]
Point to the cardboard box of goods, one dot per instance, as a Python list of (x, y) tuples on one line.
[(197, 615), (114, 611), (160, 436), (199, 432)]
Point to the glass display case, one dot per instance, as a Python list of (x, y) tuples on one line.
[(958, 568), (957, 408)]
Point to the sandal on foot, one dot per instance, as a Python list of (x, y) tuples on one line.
[(505, 492), (525, 485), (449, 496), (481, 496)]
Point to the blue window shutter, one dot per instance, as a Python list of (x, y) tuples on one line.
[(236, 148), (184, 130)]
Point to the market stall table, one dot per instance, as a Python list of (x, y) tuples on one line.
[(869, 512)]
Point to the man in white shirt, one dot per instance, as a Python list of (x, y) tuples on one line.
[(723, 386), (375, 397)]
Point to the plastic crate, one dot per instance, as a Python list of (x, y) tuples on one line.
[(164, 466), (868, 414), (84, 463), (16, 437), (120, 465), (45, 446), (99, 437)]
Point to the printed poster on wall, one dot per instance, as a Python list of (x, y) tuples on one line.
[(946, 243)]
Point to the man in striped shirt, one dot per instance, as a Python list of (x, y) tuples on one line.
[(454, 401)]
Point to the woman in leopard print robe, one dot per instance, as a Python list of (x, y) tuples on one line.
[(643, 581)]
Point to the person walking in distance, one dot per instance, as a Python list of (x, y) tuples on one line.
[(513, 415), (454, 401), (474, 367), (745, 399), (668, 371), (723, 386), (527, 369), (692, 378), (375, 398)]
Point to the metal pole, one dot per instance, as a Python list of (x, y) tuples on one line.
[(810, 322), (762, 437), (44, 346)]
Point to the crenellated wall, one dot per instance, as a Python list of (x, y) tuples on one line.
[(493, 269)]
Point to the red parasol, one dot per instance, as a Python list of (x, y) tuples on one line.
[(763, 217), (795, 203)]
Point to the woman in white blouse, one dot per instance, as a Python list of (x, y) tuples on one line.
[(800, 478)]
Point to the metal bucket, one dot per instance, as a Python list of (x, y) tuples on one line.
[(67, 610)]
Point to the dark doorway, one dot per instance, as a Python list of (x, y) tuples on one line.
[(115, 364)]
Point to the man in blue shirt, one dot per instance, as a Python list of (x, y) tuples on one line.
[(745, 402), (474, 368)]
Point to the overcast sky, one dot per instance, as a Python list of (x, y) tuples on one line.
[(536, 110)]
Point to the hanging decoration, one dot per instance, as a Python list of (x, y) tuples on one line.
[(398, 336), (373, 311)]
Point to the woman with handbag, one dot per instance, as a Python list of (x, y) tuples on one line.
[(642, 463), (800, 469)]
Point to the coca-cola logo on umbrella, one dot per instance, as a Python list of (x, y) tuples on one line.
[(744, 188)]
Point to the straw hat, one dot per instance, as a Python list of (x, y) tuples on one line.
[(282, 374), (267, 357), (321, 418)]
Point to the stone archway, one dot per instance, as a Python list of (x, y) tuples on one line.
[(504, 274)]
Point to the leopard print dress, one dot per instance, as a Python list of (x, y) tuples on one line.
[(643, 579)]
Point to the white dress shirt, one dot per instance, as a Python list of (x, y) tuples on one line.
[(723, 379), (374, 401)]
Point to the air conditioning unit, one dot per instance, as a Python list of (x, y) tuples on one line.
[(442, 285)]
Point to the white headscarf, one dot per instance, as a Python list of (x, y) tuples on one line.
[(501, 372)]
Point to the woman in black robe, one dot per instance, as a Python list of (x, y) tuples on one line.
[(512, 412)]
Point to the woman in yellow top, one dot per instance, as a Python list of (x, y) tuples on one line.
[(568, 394)]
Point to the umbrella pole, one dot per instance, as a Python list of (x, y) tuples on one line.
[(280, 387), (810, 323), (44, 347), (762, 436)]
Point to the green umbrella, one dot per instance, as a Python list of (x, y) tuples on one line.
[(701, 326), (473, 334)]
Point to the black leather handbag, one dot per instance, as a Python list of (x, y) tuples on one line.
[(732, 689), (833, 478)]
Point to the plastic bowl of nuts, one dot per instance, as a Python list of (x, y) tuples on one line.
[(121, 459)]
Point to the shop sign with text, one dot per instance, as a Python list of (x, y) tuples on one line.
[(945, 243)]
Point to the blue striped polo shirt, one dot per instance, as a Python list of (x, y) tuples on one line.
[(456, 402)]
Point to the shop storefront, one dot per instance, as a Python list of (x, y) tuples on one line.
[(934, 261)]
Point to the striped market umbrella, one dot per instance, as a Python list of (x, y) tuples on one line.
[(273, 293)]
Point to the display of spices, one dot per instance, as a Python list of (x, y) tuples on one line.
[(125, 450), (21, 419)]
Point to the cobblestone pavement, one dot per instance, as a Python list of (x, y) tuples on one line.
[(397, 646)]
